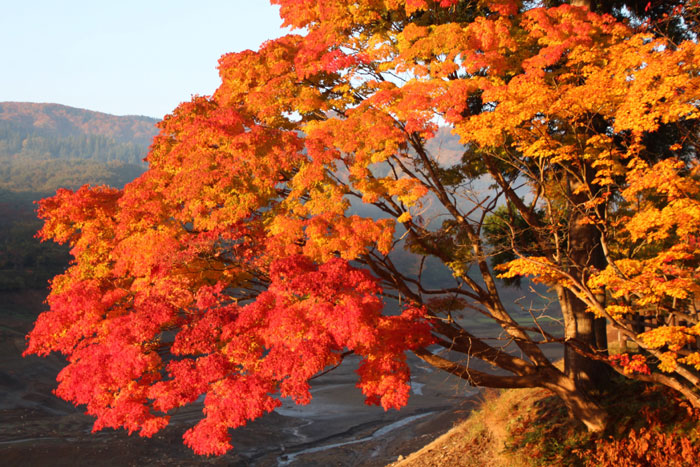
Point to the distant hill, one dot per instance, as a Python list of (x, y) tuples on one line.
[(44, 147), (48, 146), (67, 121)]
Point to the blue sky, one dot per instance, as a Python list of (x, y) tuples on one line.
[(124, 57)]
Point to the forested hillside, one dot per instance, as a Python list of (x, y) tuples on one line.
[(44, 147), (47, 146), (67, 121)]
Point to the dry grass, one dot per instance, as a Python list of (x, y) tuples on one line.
[(482, 439), (530, 427)]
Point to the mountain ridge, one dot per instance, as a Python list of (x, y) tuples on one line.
[(46, 146), (72, 121)]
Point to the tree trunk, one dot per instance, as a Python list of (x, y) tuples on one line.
[(579, 405), (581, 326), (585, 330)]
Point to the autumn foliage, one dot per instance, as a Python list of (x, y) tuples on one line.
[(240, 356), (265, 239), (651, 444)]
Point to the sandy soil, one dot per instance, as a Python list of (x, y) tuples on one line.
[(336, 429)]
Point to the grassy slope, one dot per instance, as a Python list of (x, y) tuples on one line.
[(529, 427)]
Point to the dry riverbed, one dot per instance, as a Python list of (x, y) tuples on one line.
[(336, 428)]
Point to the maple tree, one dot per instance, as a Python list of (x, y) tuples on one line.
[(246, 259)]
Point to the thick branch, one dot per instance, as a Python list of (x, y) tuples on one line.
[(476, 377)]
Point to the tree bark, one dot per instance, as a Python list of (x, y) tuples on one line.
[(585, 251), (579, 404), (585, 328)]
